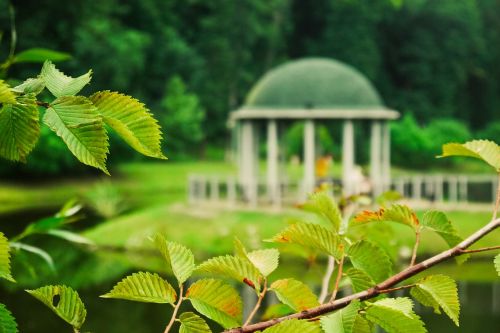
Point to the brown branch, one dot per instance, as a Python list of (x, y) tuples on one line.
[(377, 290), (257, 305), (325, 285), (497, 202), (390, 290), (176, 309), (337, 281), (415, 248), (483, 249), (44, 104)]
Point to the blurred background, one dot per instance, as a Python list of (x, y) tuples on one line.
[(192, 62)]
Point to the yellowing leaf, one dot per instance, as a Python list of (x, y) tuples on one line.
[(341, 321), (396, 213), (5, 272), (64, 301), (438, 291), (485, 150), (131, 120), (295, 294), (294, 326), (143, 287), (192, 323), (395, 315), (371, 259), (180, 258), (7, 321), (19, 128), (232, 267), (311, 236), (217, 301), (6, 95), (76, 121), (323, 204), (60, 84)]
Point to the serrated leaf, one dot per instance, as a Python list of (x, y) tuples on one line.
[(143, 287), (361, 325), (485, 150), (295, 294), (395, 213), (342, 321), (192, 323), (19, 128), (64, 301), (30, 86), (217, 301), (40, 55), (179, 257), (438, 291), (323, 204), (131, 120), (6, 95), (311, 236), (76, 121), (276, 311), (60, 84), (294, 326), (371, 259), (36, 251), (266, 260), (7, 321), (359, 280), (395, 315), (438, 222), (497, 264), (5, 272), (232, 267)]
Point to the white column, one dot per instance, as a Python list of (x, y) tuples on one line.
[(309, 158), (348, 157), (272, 161), (247, 166), (453, 189), (386, 156), (417, 188), (376, 158)]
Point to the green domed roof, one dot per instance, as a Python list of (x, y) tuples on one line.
[(314, 83)]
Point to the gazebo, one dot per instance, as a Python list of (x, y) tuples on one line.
[(311, 90)]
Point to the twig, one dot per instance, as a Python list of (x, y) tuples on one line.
[(390, 290), (325, 285), (337, 281), (415, 248), (375, 291), (497, 202), (483, 249), (176, 309), (257, 305), (44, 104)]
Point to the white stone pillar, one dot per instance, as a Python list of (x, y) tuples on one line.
[(309, 157), (248, 172), (453, 189), (272, 161), (376, 158), (417, 188), (386, 156), (348, 158)]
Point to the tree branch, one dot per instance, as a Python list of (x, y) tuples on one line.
[(379, 288), (497, 202), (176, 309), (415, 248), (44, 104), (257, 305), (337, 281), (325, 285), (483, 249)]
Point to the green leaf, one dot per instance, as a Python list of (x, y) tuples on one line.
[(217, 301), (233, 267), (276, 311), (180, 258), (266, 261), (6, 95), (143, 287), (37, 251), (371, 259), (323, 204), (76, 121), (40, 55), (342, 321), (438, 222), (70, 236), (396, 213), (438, 291), (312, 236), (131, 120), (485, 150), (294, 326), (192, 323), (19, 128), (295, 294), (60, 84), (7, 321), (497, 263), (359, 280), (361, 325), (64, 301), (395, 315), (5, 272), (30, 86)]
